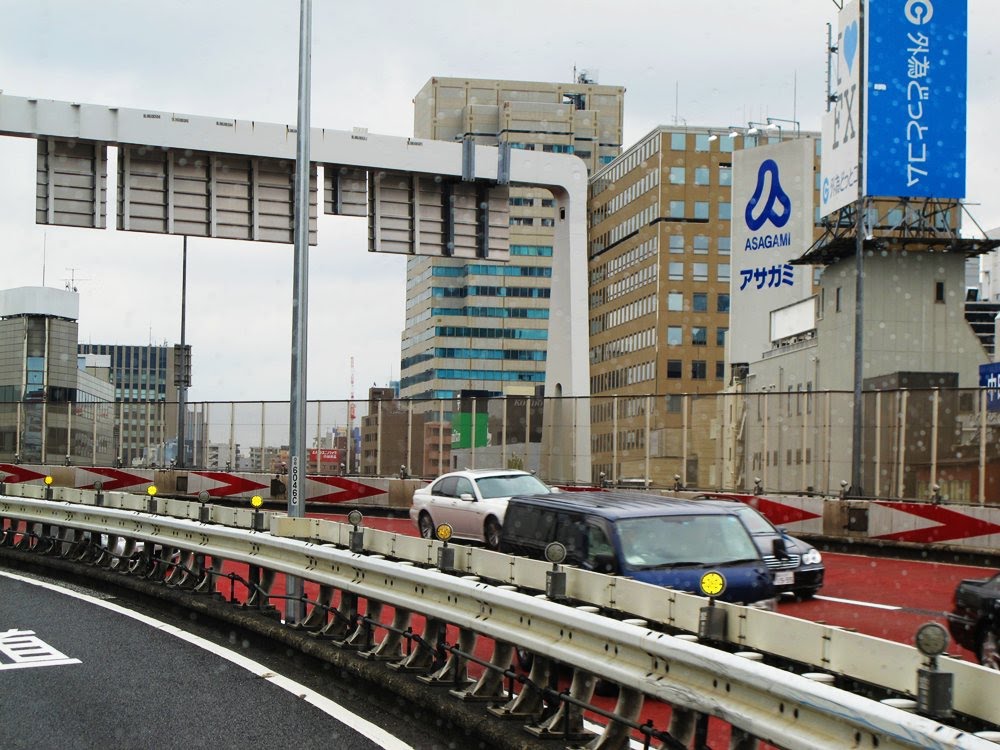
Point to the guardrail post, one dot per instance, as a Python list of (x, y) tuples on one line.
[(616, 733), (391, 647), (421, 659), (490, 685), (455, 668), (567, 722), (528, 706)]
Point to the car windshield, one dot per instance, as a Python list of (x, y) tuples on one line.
[(755, 522), (506, 485), (664, 541)]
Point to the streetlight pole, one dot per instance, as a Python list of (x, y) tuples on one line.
[(859, 285), (300, 303), (183, 376)]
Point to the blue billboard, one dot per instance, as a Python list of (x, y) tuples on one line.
[(916, 104), (989, 378)]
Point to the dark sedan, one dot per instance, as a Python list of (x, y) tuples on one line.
[(797, 566), (975, 622)]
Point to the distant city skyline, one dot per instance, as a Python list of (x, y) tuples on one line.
[(678, 63)]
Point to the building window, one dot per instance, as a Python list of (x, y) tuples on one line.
[(720, 370), (701, 176), (678, 141), (699, 302), (722, 272), (701, 142), (701, 209), (722, 303), (939, 291), (675, 302), (675, 402), (725, 211), (677, 242), (676, 270), (724, 244), (674, 369), (677, 209), (675, 335), (700, 271), (699, 335), (725, 175), (698, 369), (720, 336), (701, 244), (677, 175), (837, 301)]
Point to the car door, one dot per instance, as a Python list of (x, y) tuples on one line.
[(466, 510), (443, 501)]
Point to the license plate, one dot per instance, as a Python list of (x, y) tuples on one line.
[(784, 578)]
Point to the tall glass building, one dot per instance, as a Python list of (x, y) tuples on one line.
[(474, 326)]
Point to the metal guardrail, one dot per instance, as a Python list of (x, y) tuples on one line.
[(638, 653)]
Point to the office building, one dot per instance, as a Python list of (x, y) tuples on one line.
[(51, 410), (480, 327), (146, 401), (659, 267)]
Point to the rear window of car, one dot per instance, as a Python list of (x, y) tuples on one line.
[(527, 523), (511, 484)]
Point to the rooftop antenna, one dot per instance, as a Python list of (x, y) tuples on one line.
[(71, 281)]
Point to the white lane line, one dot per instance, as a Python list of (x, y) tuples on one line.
[(324, 704), (889, 607)]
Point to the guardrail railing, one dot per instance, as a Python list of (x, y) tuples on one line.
[(634, 635)]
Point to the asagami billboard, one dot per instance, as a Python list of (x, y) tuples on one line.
[(916, 72), (772, 224)]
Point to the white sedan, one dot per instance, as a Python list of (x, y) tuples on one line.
[(473, 502)]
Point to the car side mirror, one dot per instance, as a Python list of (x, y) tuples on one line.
[(779, 549), (467, 497)]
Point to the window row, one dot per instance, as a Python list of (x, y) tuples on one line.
[(623, 377), (702, 175), (698, 369), (627, 227), (626, 406), (625, 197), (701, 244), (678, 271), (642, 276), (624, 262), (624, 345), (699, 302), (700, 210), (699, 336), (621, 315)]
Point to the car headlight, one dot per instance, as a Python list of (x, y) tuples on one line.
[(812, 557)]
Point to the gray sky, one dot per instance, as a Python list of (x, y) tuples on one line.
[(710, 62)]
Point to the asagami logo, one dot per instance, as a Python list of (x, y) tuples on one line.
[(760, 211)]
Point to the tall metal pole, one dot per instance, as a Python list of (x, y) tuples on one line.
[(182, 390), (859, 282), (300, 304)]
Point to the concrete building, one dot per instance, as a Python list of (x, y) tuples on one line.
[(51, 410), (483, 327)]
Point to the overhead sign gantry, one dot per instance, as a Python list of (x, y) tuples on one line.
[(226, 178)]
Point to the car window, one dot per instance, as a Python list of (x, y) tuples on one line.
[(661, 541), (445, 487), (463, 486), (510, 484), (597, 543), (530, 524)]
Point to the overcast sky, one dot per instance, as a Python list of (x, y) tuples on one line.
[(707, 62)]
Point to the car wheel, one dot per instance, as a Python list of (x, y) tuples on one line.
[(426, 526), (491, 533), (989, 648)]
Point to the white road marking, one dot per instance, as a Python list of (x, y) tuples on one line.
[(324, 704), (859, 604)]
